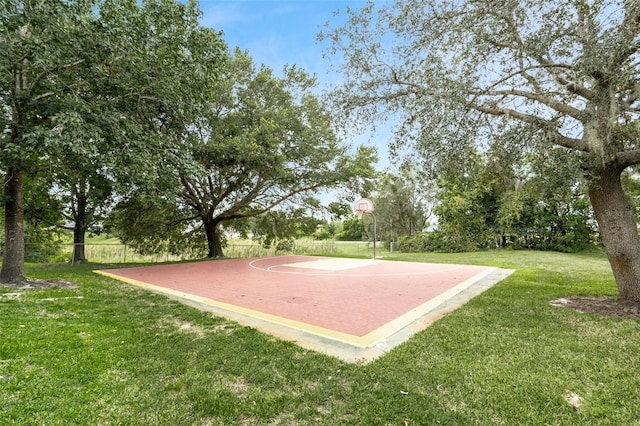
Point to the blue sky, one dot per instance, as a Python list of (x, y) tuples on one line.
[(277, 32), (283, 32)]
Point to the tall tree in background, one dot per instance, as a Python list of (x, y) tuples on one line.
[(569, 69), (469, 201), (402, 204)]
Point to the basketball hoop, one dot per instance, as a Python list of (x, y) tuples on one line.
[(365, 205)]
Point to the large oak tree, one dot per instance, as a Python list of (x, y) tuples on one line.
[(265, 141), (569, 69)]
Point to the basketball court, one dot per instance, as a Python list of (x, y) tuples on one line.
[(354, 309)]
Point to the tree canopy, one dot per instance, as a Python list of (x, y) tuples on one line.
[(550, 64), (94, 88), (457, 72), (263, 141)]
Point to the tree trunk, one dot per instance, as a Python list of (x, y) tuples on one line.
[(78, 244), (618, 229), (214, 240), (13, 253), (12, 271), (80, 227)]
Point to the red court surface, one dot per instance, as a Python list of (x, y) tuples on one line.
[(355, 309)]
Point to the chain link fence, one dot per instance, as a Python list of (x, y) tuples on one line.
[(123, 253)]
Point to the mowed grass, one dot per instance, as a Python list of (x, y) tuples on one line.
[(106, 353)]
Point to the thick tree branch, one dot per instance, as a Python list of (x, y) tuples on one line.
[(628, 158), (562, 79), (269, 206), (190, 195), (544, 125), (576, 89), (230, 187), (545, 100), (42, 96), (523, 71), (249, 197)]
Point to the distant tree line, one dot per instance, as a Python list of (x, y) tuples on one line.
[(489, 202)]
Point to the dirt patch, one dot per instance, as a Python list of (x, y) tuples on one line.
[(607, 306), (188, 327), (33, 284)]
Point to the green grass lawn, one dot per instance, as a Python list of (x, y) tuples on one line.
[(106, 353)]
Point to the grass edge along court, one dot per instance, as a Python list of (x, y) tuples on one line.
[(105, 352)]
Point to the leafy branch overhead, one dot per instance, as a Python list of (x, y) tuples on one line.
[(570, 69), (459, 74)]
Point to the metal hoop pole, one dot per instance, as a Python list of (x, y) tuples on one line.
[(374, 234)]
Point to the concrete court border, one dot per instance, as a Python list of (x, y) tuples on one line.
[(347, 348)]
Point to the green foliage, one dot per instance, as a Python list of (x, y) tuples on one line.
[(424, 242), (43, 233), (353, 229), (468, 207), (402, 204), (43, 241), (326, 231), (339, 210), (280, 228), (43, 244), (146, 224), (488, 205)]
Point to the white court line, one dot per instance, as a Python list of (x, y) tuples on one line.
[(330, 272), (333, 264)]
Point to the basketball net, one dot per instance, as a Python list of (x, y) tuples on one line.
[(363, 206), (362, 211)]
